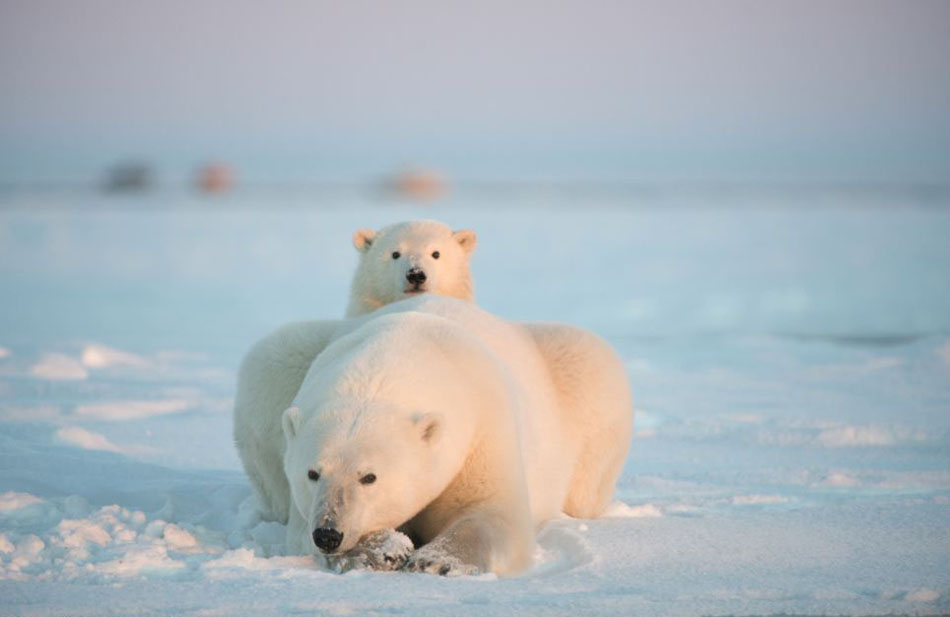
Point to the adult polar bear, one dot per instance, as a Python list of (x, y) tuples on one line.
[(433, 416)]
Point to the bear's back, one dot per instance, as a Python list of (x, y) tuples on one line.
[(546, 449), (407, 353)]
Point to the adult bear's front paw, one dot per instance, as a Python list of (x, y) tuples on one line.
[(381, 550), (438, 562)]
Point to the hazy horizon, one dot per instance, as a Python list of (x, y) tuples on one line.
[(848, 92)]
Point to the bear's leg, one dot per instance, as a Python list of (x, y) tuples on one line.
[(483, 539), (271, 491), (607, 412), (268, 381), (595, 476), (595, 407)]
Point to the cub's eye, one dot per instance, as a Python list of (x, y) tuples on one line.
[(313, 475), (396, 254), (368, 478), (435, 254)]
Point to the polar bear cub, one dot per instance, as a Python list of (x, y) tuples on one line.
[(407, 259), (435, 417)]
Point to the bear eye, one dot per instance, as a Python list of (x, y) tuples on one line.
[(435, 254), (396, 254), (313, 475), (368, 478)]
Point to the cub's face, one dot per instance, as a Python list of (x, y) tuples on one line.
[(347, 483), (408, 259)]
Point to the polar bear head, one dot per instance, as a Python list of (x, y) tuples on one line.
[(408, 259), (350, 478)]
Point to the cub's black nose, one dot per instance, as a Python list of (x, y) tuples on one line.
[(327, 538), (416, 276)]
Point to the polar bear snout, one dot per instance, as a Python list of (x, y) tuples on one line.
[(327, 539), (416, 277)]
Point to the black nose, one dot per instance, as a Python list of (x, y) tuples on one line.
[(327, 538), (416, 276)]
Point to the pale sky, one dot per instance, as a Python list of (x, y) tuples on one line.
[(640, 91)]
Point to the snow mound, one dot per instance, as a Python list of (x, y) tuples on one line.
[(923, 594), (860, 436), (99, 356), (59, 366), (132, 410), (89, 440), (561, 548), (237, 563), (834, 435), (14, 501), (745, 500), (618, 509), (840, 478), (66, 540)]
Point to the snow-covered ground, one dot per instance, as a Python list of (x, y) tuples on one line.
[(789, 354)]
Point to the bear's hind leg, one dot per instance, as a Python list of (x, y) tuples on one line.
[(273, 501), (595, 407), (592, 484)]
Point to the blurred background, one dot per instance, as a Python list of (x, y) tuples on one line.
[(849, 92)]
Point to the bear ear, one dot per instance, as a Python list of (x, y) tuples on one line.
[(363, 239), (428, 426), (466, 239), (290, 421)]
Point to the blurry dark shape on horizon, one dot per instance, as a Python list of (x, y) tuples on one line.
[(417, 184), (215, 178), (129, 177)]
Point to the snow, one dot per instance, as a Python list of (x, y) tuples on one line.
[(57, 366), (89, 440), (130, 410), (100, 356), (789, 353), (14, 501), (741, 500), (618, 509)]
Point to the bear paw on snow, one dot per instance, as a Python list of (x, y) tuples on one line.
[(433, 560), (381, 550)]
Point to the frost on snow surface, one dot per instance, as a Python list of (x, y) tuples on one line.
[(790, 366)]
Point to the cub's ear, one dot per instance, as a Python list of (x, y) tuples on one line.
[(363, 238), (290, 421), (428, 426), (466, 239)]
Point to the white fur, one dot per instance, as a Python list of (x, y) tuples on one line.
[(381, 279), (477, 429)]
